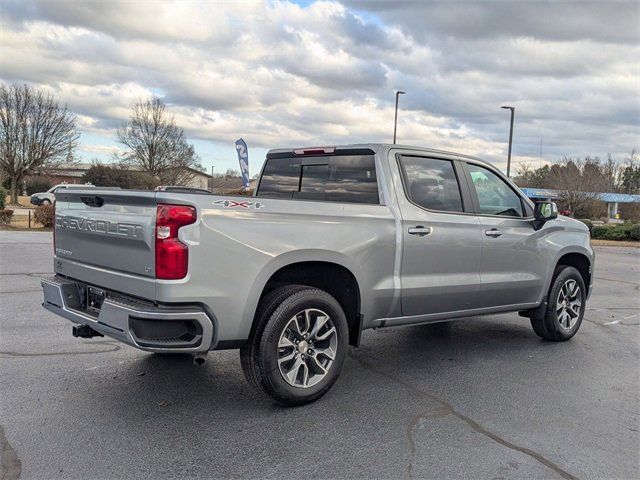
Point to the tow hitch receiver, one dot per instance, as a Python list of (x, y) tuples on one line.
[(85, 331)]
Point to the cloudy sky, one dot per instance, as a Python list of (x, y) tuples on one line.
[(287, 73)]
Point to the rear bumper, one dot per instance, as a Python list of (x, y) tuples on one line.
[(141, 325)]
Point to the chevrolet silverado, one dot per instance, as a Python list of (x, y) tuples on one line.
[(335, 240)]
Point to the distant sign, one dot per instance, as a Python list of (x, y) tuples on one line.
[(540, 193), (603, 196), (243, 158)]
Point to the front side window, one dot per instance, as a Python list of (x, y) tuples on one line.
[(339, 178), (494, 194), (431, 183)]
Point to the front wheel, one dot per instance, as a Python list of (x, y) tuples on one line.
[(297, 354), (566, 304)]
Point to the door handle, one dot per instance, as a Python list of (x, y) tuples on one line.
[(419, 231), (494, 232)]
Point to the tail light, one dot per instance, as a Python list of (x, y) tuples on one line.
[(172, 256)]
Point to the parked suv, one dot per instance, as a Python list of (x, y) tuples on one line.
[(48, 197), (336, 240)]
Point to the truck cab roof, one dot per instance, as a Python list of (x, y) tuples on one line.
[(373, 147)]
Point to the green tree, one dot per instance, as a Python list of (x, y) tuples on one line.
[(630, 175), (527, 177)]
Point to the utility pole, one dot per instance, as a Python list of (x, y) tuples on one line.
[(513, 111), (395, 122), (540, 166)]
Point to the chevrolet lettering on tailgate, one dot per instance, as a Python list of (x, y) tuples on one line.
[(104, 227)]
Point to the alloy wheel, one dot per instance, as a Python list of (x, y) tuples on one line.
[(307, 348), (568, 304)]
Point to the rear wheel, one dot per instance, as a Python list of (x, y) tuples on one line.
[(266, 308), (296, 355), (566, 304)]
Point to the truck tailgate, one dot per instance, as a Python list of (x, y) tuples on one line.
[(106, 230)]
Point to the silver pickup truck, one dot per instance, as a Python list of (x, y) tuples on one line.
[(335, 240)]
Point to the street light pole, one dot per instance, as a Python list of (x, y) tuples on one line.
[(513, 111), (395, 122)]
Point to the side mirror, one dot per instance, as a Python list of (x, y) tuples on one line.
[(543, 212)]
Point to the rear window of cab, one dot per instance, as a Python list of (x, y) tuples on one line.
[(330, 178)]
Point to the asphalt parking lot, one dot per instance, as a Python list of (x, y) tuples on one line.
[(480, 398)]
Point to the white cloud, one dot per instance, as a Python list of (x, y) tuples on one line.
[(102, 149), (280, 74)]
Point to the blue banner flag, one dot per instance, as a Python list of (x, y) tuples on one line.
[(243, 158)]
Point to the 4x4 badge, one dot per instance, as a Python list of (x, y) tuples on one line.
[(237, 204)]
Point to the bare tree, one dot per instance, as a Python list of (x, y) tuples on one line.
[(156, 145), (36, 133), (577, 182), (611, 172)]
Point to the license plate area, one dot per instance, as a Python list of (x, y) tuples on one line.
[(95, 297)]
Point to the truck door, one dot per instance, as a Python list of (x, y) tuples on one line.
[(514, 255), (441, 240)]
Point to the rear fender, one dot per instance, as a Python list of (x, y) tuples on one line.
[(289, 258)]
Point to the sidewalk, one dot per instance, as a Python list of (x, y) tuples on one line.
[(19, 210)]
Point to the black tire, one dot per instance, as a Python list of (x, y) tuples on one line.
[(546, 324), (45, 202), (538, 326), (267, 306), (262, 350)]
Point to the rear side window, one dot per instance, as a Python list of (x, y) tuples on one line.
[(339, 178), (431, 183)]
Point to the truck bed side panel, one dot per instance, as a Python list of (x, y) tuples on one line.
[(235, 250)]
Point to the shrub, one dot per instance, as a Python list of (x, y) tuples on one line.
[(117, 176), (44, 215), (5, 216), (37, 185), (599, 231), (240, 191), (617, 233), (3, 196), (141, 180), (627, 231)]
